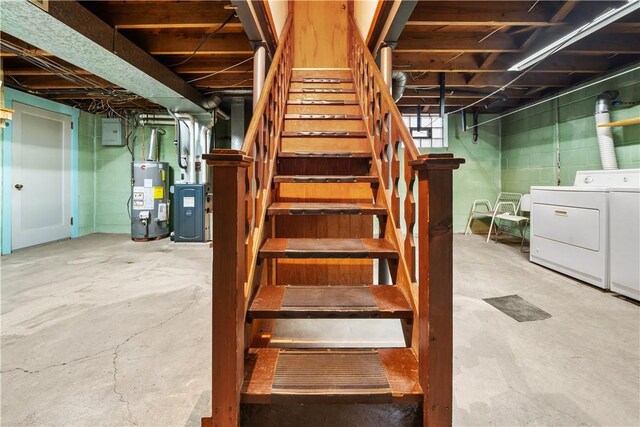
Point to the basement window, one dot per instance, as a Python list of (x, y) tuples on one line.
[(429, 131)]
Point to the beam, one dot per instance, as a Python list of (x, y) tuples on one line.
[(474, 13), (184, 43), (468, 64), (211, 65), (153, 15), (453, 93), (559, 16), (73, 34), (455, 102), (454, 42), (497, 80)]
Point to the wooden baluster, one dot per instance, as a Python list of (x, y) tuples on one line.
[(410, 218), (435, 195), (229, 180), (395, 177)]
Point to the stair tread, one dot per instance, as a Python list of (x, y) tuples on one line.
[(327, 248), (321, 90), (307, 179), (297, 208), (323, 117), (373, 301), (320, 80), (331, 376), (339, 154), (322, 102), (324, 133)]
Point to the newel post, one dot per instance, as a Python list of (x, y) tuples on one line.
[(435, 281), (228, 179)]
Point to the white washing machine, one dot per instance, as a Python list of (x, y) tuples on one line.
[(624, 241), (570, 225)]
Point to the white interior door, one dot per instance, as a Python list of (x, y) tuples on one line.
[(41, 176)]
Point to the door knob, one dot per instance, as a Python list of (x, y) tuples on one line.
[(19, 186)]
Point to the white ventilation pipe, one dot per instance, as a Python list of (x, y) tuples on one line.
[(605, 137)]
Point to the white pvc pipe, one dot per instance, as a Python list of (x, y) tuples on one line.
[(205, 131)]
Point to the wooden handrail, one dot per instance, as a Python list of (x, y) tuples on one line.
[(427, 282)]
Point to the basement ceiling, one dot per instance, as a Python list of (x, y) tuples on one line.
[(472, 42), (475, 42)]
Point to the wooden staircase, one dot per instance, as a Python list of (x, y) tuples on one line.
[(294, 239)]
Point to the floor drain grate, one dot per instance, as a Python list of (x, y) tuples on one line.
[(517, 308)]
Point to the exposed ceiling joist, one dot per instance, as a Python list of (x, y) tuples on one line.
[(455, 42), (149, 15), (469, 64), (172, 42), (73, 34), (472, 13)]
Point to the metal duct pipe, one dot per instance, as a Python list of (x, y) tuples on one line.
[(205, 132), (191, 158), (605, 137), (178, 139), (157, 123), (222, 114), (399, 82), (153, 143)]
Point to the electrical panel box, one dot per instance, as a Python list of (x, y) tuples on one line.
[(189, 213), (113, 132)]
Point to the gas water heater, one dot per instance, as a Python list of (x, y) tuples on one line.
[(149, 208)]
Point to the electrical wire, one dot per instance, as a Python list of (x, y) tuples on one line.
[(205, 39), (542, 101), (221, 71)]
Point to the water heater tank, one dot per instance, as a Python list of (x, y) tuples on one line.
[(149, 206)]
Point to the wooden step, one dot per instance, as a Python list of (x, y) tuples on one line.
[(322, 96), (330, 302), (292, 126), (331, 376), (322, 179), (336, 73), (323, 117), (321, 85), (328, 248), (324, 154), (305, 208), (320, 80), (328, 144), (321, 90), (351, 109), (324, 133), (322, 102)]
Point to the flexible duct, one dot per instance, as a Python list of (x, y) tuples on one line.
[(605, 137), (399, 82)]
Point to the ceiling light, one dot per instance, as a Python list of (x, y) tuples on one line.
[(591, 27)]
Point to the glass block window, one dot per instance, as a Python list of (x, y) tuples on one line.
[(431, 132)]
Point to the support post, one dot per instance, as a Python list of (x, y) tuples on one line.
[(386, 67), (435, 281), (229, 172), (259, 65)]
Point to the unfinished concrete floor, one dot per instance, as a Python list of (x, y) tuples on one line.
[(102, 331)]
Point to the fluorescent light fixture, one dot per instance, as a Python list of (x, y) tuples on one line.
[(588, 28)]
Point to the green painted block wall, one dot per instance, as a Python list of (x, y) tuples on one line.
[(564, 129), (113, 177), (86, 173), (479, 176)]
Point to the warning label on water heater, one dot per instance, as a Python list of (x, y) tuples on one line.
[(142, 198)]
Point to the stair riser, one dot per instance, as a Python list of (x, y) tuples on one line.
[(319, 166), (326, 125), (359, 145), (344, 73), (300, 85), (323, 96), (323, 109)]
